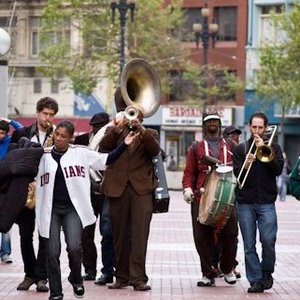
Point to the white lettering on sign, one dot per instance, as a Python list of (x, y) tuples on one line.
[(181, 115)]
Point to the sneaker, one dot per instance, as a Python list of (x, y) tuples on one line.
[(78, 290), (41, 286), (230, 278), (6, 259), (256, 287), (267, 280), (206, 281), (237, 274), (25, 284)]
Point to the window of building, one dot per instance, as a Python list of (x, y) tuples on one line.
[(54, 86), (226, 18), (180, 88), (52, 37), (37, 86), (267, 31), (192, 15)]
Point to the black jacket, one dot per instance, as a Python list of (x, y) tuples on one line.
[(260, 185)]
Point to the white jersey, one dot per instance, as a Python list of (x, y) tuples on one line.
[(75, 164)]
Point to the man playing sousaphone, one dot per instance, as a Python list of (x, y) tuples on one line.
[(40, 132), (200, 162)]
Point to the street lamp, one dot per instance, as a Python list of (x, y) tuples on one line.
[(204, 31), (122, 6), (5, 44)]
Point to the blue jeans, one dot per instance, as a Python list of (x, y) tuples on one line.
[(263, 217), (5, 244), (69, 221)]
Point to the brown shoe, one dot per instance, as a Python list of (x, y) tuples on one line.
[(142, 287), (25, 284), (41, 286), (118, 285)]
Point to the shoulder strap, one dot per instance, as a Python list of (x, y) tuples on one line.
[(195, 146)]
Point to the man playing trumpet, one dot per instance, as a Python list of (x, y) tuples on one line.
[(40, 132), (255, 198)]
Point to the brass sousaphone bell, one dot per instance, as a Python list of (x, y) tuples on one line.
[(140, 88)]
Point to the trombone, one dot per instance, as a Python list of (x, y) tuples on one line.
[(263, 153)]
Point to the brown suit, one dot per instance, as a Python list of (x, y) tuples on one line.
[(129, 183), (134, 164)]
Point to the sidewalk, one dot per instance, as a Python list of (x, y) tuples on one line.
[(173, 265)]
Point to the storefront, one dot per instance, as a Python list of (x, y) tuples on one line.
[(181, 125)]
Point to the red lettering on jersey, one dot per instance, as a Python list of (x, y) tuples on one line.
[(72, 171), (44, 179)]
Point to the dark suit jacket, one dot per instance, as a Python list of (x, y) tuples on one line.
[(134, 165), (82, 139)]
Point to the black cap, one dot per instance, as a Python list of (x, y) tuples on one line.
[(231, 129), (99, 119)]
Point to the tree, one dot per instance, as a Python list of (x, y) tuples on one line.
[(278, 79), (154, 36)]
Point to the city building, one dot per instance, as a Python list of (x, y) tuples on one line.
[(260, 31)]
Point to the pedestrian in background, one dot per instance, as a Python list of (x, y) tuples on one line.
[(5, 139), (283, 178)]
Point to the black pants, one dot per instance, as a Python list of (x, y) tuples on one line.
[(89, 260), (34, 267), (204, 239)]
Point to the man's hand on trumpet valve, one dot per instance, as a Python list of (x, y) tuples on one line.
[(188, 195)]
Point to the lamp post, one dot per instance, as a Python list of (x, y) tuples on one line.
[(122, 7), (5, 44), (204, 32)]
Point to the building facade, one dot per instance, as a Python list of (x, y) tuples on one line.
[(261, 31), (22, 20)]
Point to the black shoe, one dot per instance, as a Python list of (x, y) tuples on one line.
[(59, 297), (256, 287), (267, 280), (104, 279), (88, 276), (78, 290)]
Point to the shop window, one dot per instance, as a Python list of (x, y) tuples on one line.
[(226, 18)]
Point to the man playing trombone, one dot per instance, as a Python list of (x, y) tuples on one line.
[(256, 166)]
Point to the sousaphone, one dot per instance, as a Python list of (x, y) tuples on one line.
[(140, 87)]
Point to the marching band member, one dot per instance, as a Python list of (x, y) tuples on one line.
[(35, 266), (256, 204), (129, 184), (195, 173), (63, 201)]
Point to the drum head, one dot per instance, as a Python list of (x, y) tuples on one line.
[(224, 169)]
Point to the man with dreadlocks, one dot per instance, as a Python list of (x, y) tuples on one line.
[(212, 146)]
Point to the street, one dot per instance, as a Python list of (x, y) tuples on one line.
[(173, 264)]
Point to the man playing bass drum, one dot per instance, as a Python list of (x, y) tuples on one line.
[(195, 173)]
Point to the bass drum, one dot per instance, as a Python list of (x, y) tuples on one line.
[(218, 197)]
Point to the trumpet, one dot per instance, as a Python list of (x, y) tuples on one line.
[(263, 153)]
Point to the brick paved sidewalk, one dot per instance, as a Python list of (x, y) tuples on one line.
[(173, 266)]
